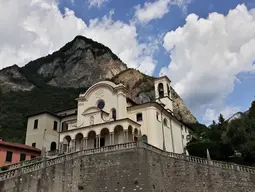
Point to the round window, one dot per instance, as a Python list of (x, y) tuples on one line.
[(100, 105)]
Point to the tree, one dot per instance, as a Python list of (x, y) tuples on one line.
[(240, 134), (252, 110), (199, 131), (221, 119)]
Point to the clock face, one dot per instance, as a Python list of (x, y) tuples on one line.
[(99, 94)]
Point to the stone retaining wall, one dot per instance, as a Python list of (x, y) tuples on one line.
[(125, 168)]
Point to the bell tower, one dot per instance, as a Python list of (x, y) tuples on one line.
[(163, 92)]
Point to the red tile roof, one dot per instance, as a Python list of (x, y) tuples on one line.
[(19, 145)]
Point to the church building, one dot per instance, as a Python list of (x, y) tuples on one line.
[(106, 116)]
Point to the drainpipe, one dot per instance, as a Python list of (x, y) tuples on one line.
[(59, 136), (163, 134)]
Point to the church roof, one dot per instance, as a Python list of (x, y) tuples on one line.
[(42, 112)]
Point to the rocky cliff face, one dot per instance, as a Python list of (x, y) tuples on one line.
[(141, 90), (12, 80), (81, 63)]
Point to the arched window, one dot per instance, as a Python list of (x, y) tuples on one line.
[(165, 122), (114, 114), (157, 115), (168, 91), (160, 90), (100, 104), (139, 117), (53, 146)]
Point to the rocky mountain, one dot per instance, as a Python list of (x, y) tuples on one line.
[(12, 80), (79, 64), (238, 115)]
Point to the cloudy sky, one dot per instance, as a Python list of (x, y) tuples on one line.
[(206, 47)]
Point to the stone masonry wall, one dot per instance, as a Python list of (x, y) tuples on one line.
[(170, 174), (128, 170)]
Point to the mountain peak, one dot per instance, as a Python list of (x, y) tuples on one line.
[(79, 63), (90, 43)]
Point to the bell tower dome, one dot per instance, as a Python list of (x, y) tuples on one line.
[(163, 92)]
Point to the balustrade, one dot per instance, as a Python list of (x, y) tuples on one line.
[(18, 169)]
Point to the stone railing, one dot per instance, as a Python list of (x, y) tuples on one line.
[(19, 170), (20, 164), (200, 160), (14, 172)]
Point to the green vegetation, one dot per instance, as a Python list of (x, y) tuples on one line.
[(14, 106), (225, 140)]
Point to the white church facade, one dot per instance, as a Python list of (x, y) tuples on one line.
[(106, 116)]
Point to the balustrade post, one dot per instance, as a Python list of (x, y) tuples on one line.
[(19, 170), (236, 167)]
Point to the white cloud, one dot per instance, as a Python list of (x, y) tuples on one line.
[(96, 3), (34, 28), (208, 54), (157, 9)]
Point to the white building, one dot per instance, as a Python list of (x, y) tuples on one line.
[(106, 116)]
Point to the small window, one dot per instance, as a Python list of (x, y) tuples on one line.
[(139, 117), (182, 136), (22, 157), (33, 144), (64, 126), (8, 156), (33, 156), (182, 127), (165, 122), (160, 90), (36, 124), (55, 126), (114, 114), (157, 115), (100, 104)]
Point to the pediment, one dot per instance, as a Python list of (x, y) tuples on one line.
[(91, 110)]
